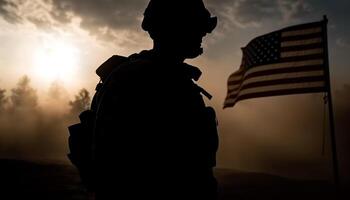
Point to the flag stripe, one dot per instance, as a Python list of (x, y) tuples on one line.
[(296, 48), (280, 81), (303, 26), (277, 76), (302, 58), (301, 42), (276, 88), (302, 32), (237, 76), (286, 70), (283, 71), (288, 64), (231, 102), (301, 37), (301, 53)]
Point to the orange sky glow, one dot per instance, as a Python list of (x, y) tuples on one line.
[(267, 134)]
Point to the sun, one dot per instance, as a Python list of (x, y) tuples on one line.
[(56, 60)]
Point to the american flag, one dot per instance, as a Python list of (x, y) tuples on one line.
[(283, 62)]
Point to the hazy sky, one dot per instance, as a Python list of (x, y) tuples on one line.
[(66, 40)]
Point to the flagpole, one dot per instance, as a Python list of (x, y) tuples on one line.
[(330, 107)]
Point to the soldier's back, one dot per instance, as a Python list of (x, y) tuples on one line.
[(149, 126)]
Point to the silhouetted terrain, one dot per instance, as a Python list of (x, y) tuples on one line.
[(34, 180), (44, 180), (239, 185)]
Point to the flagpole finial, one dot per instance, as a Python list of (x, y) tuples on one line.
[(325, 18)]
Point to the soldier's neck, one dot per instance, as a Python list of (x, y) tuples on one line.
[(168, 54)]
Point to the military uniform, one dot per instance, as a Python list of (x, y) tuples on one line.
[(155, 138)]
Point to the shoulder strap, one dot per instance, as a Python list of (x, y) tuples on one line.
[(194, 73), (204, 92)]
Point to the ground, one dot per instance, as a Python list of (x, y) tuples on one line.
[(60, 181)]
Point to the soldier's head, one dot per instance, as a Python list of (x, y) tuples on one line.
[(178, 26)]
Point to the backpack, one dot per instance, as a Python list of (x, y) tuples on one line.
[(81, 135)]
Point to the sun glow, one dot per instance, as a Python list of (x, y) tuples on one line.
[(56, 60)]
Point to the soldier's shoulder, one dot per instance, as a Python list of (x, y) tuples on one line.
[(110, 65), (133, 70), (133, 64), (136, 66)]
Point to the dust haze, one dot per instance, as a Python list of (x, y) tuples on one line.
[(287, 135), (280, 135), (34, 127)]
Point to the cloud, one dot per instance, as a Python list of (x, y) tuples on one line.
[(121, 14), (251, 13), (115, 15), (105, 16), (293, 8), (112, 20), (6, 11), (20, 11), (117, 22)]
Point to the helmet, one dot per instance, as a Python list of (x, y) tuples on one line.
[(165, 15)]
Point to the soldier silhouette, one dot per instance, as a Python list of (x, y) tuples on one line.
[(154, 136)]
